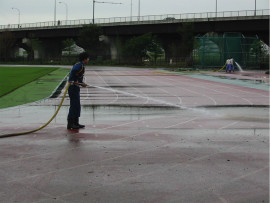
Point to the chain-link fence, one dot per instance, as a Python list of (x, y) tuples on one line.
[(212, 51)]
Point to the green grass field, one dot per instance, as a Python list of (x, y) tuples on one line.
[(21, 85)]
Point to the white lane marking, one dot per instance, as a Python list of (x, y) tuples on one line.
[(249, 174), (147, 100), (184, 164), (202, 86), (213, 100), (231, 124), (236, 89), (96, 130), (181, 123), (178, 97), (115, 93), (139, 96)]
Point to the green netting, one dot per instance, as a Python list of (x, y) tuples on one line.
[(213, 51)]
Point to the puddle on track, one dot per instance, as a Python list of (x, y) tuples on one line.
[(256, 114)]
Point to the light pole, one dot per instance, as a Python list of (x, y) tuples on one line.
[(93, 11), (216, 8), (54, 12), (131, 11), (100, 2), (19, 19), (255, 7), (139, 10), (61, 2)]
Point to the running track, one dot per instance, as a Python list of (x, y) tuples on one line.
[(149, 137)]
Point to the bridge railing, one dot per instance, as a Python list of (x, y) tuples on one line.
[(168, 18)]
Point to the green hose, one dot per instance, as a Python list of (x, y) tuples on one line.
[(221, 68)]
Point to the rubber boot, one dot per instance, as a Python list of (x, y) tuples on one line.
[(71, 124), (76, 121)]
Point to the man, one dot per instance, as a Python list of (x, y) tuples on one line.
[(75, 80), (228, 65), (232, 64)]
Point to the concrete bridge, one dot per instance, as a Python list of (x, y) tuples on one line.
[(51, 33)]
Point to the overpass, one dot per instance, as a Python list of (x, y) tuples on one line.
[(248, 22)]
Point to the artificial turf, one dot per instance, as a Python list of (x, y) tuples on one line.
[(20, 85)]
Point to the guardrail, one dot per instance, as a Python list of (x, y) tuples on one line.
[(168, 18)]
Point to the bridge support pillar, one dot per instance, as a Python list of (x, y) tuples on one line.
[(50, 49), (114, 51), (45, 49), (113, 46)]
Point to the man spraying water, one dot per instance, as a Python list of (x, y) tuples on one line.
[(230, 65), (75, 80)]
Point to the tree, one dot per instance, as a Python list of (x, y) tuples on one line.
[(68, 45), (260, 51), (137, 47), (33, 44), (258, 48), (7, 42), (89, 39), (187, 39), (155, 49)]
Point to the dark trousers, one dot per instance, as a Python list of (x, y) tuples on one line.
[(75, 105)]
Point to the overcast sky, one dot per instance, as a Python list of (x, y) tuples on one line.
[(43, 10)]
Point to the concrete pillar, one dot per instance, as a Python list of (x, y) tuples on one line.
[(115, 47), (114, 52), (50, 49), (26, 45), (13, 52), (45, 49)]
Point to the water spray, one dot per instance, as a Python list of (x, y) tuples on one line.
[(104, 88), (139, 96), (239, 67), (203, 111)]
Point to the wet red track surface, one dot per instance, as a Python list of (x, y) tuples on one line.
[(149, 137)]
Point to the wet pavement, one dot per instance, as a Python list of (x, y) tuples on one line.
[(150, 137)]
